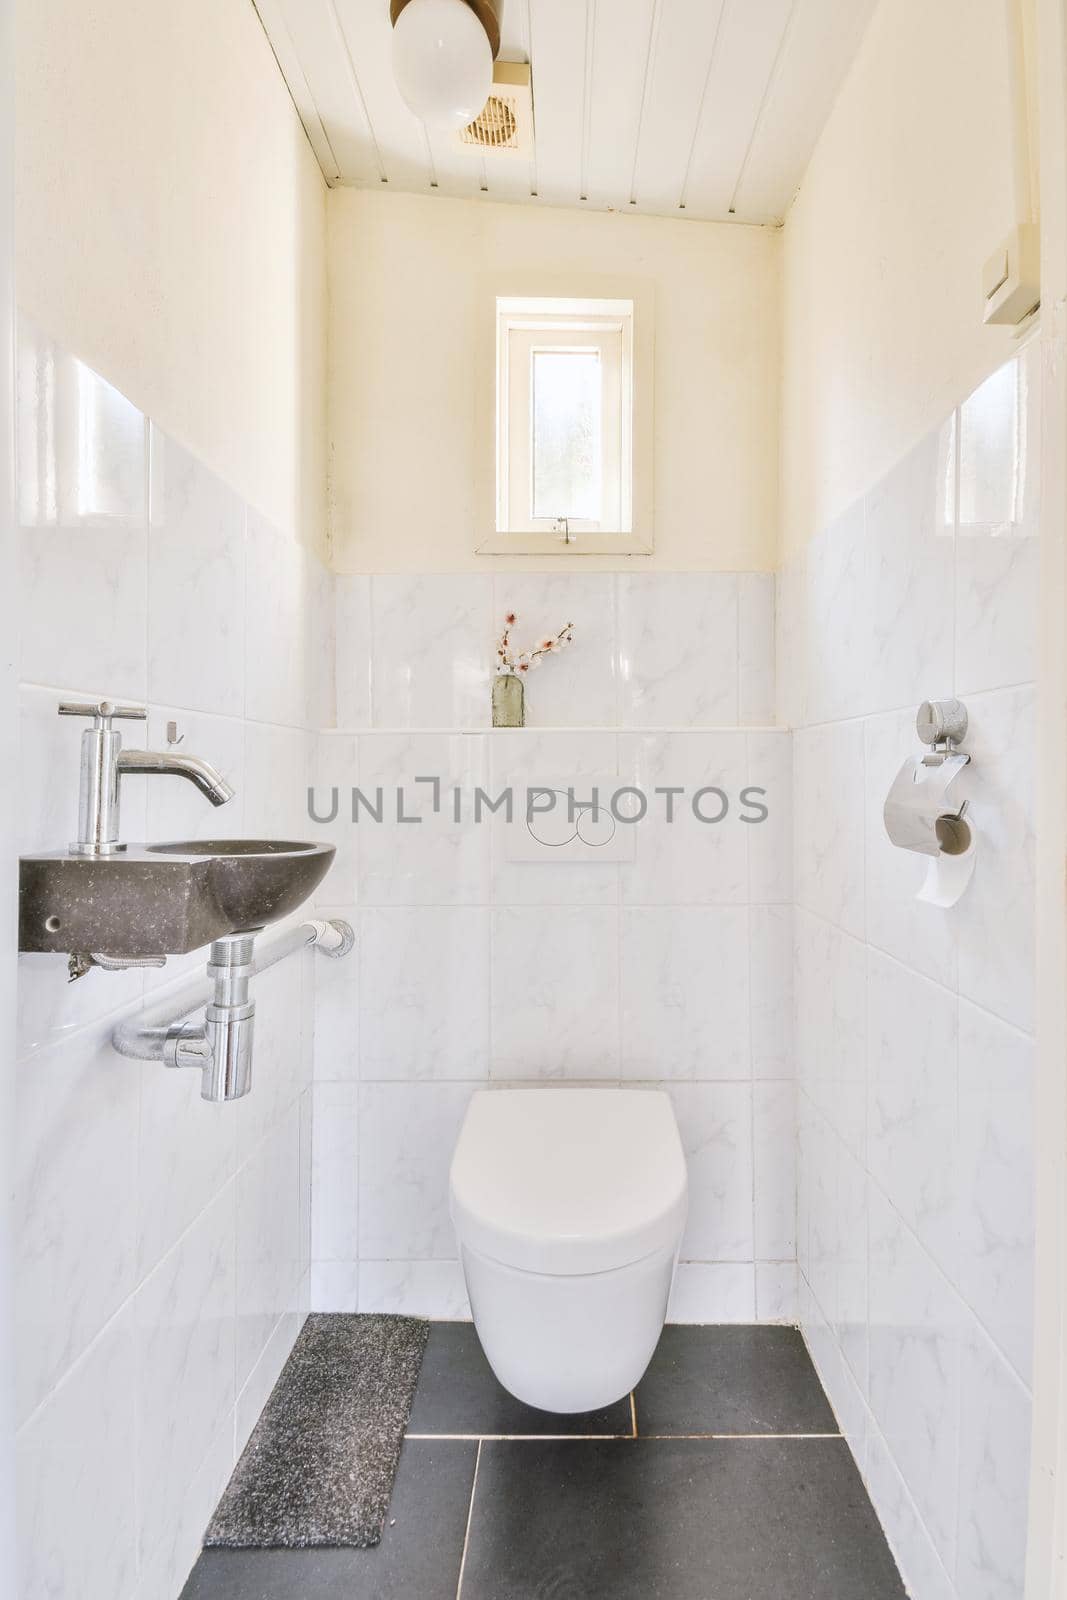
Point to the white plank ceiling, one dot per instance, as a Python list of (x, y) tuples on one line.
[(696, 108)]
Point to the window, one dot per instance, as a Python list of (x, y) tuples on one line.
[(564, 425)]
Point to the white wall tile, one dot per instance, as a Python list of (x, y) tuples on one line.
[(995, 1193), (77, 1502), (354, 650), (706, 1292), (912, 1051), (776, 1292), (269, 1267), (774, 1152), (196, 584), (675, 1023), (278, 677), (555, 993), (832, 644), (522, 759), (334, 775), (920, 1565), (715, 1123), (435, 860), (994, 1474), (337, 1010), (185, 1317), (909, 578), (575, 689), (755, 654), (915, 1333), (82, 503), (768, 817), (433, 651), (335, 1172), (685, 855), (771, 991), (75, 1205), (678, 638), (407, 1133), (831, 1023), (425, 992), (414, 1289), (828, 823)]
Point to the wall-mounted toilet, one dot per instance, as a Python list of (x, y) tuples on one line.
[(569, 1206)]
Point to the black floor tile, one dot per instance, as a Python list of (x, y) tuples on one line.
[(674, 1519), (418, 1559), (457, 1393), (731, 1380)]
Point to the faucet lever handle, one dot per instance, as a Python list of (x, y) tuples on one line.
[(102, 710)]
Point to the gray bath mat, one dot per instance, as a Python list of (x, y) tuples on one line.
[(319, 1468)]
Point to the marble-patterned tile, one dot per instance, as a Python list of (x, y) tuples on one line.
[(337, 1009), (82, 482), (791, 642), (915, 1336), (174, 807), (770, 976), (920, 1564), (278, 770), (335, 1172), (828, 792), (186, 1154), (185, 1347), (766, 809), (675, 1024), (256, 1392), (776, 1292), (76, 1464), (838, 1381), (831, 1023), (995, 1180), (755, 653), (913, 1082), (712, 1291), (407, 1133), (994, 1475), (576, 688), (909, 578), (282, 1063), (320, 642), (835, 659), (774, 1117), (196, 584), (414, 1289), (165, 1568), (432, 650), (521, 759), (425, 987), (335, 1286), (678, 650), (997, 529), (715, 1123), (692, 844), (996, 915), (75, 1204), (434, 860), (268, 1268), (555, 993), (334, 775), (354, 649), (923, 936), (278, 673)]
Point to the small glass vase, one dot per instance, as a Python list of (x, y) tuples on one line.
[(509, 708)]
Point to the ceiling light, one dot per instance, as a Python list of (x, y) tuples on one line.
[(443, 58)]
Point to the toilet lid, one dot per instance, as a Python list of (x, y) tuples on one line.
[(569, 1181)]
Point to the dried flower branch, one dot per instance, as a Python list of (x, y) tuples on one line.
[(508, 660)]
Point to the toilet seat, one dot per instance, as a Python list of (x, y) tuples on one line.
[(569, 1181)]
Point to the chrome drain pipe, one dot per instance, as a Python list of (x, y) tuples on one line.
[(221, 1045)]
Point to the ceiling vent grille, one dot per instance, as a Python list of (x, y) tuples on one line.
[(506, 121)]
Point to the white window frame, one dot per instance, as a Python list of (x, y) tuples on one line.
[(612, 324)]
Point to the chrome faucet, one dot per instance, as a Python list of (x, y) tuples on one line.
[(103, 763)]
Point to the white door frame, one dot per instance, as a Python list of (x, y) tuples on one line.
[(1046, 1577)]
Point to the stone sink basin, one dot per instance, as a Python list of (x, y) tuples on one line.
[(163, 899)]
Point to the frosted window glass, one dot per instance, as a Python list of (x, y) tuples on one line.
[(567, 473)]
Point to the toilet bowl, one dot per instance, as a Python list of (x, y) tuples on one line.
[(568, 1206)]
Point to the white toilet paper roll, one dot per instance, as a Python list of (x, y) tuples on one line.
[(947, 876)]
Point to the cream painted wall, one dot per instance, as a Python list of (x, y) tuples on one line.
[(170, 229), (908, 191), (407, 278)]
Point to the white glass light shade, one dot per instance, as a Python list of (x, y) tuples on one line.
[(442, 61)]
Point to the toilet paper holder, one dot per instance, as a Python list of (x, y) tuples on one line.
[(923, 811)]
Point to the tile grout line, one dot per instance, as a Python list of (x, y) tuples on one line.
[(633, 1413), (470, 1518), (601, 1438)]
